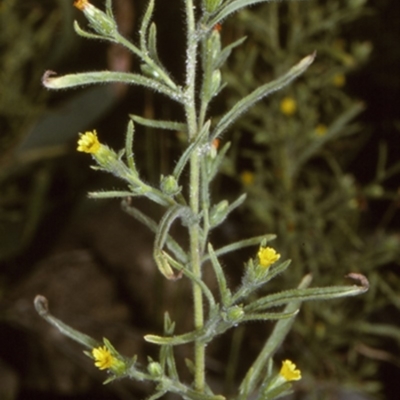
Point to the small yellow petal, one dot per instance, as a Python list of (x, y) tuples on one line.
[(103, 358), (267, 256), (289, 371), (88, 142)]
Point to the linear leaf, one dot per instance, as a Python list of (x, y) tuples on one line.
[(145, 24), (153, 53), (171, 244), (88, 78), (276, 338), (159, 124), (219, 273), (244, 104), (241, 244), (231, 8), (129, 146), (189, 150), (225, 53), (318, 293)]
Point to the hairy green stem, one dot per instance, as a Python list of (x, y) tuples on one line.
[(194, 230)]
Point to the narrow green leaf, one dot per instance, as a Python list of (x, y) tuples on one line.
[(171, 244), (165, 224), (87, 35), (152, 44), (42, 307), (189, 150), (219, 273), (172, 341), (159, 124), (241, 244), (237, 203), (111, 194), (269, 316), (257, 371), (231, 8), (224, 214), (244, 104), (144, 26), (109, 10), (276, 270), (88, 78), (225, 53), (318, 293), (129, 146), (189, 274), (214, 165)]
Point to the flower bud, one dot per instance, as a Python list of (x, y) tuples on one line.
[(234, 314), (169, 185), (218, 212), (99, 20), (154, 369)]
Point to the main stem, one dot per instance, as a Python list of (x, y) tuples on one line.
[(194, 229)]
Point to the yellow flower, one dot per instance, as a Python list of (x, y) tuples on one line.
[(339, 80), (80, 4), (247, 178), (289, 371), (88, 142), (288, 106), (267, 256), (103, 358), (320, 130)]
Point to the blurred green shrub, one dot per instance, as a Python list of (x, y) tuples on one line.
[(292, 153)]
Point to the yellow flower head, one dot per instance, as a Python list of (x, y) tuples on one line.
[(81, 4), (103, 358), (289, 371), (339, 80), (288, 106), (88, 142), (320, 130), (267, 256), (247, 178)]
